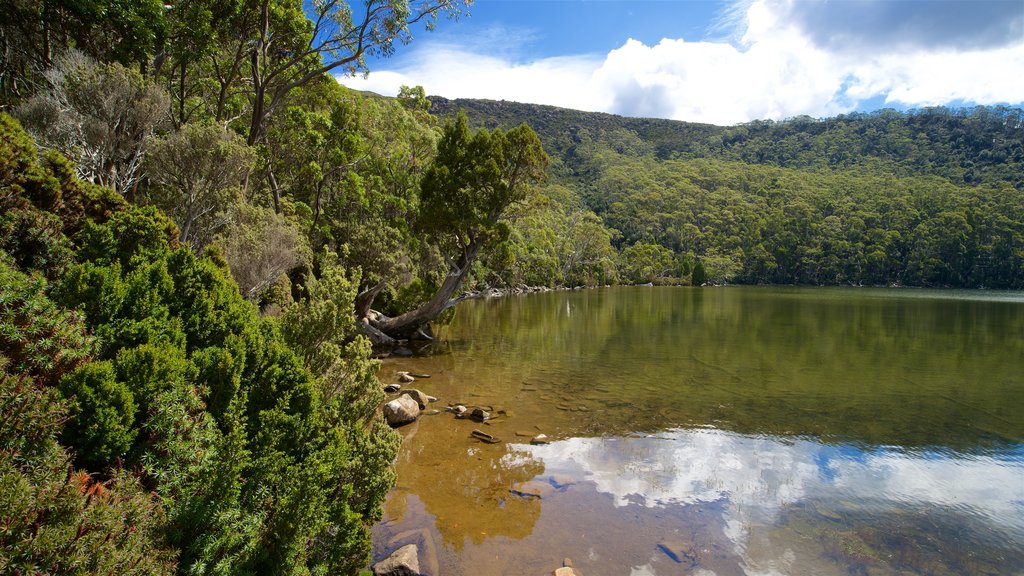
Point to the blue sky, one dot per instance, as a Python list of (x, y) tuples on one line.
[(720, 61)]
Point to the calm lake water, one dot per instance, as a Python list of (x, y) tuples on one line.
[(720, 431)]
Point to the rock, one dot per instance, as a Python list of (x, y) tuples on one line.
[(561, 481), (420, 398), (539, 439), (401, 410), (484, 436), (405, 378), (401, 351), (392, 388), (415, 375), (680, 550), (532, 489), (459, 410), (479, 414), (402, 562), (565, 571)]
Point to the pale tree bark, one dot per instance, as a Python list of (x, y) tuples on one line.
[(414, 324)]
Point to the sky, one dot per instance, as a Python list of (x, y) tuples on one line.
[(719, 61)]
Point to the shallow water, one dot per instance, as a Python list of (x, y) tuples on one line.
[(726, 431)]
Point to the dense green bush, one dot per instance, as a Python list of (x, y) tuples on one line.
[(157, 373)]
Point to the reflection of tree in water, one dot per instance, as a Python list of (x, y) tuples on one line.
[(465, 485), (830, 363)]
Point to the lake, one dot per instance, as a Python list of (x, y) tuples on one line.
[(727, 431)]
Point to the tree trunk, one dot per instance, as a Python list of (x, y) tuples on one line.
[(412, 323)]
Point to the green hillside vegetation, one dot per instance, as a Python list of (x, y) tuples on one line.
[(925, 198)]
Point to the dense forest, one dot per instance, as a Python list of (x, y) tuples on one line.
[(200, 229), (922, 198)]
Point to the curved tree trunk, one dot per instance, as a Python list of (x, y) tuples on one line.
[(414, 323)]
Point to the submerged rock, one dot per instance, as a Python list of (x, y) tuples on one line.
[(680, 550), (401, 410), (480, 415), (484, 436), (392, 388), (402, 562), (405, 377), (532, 489)]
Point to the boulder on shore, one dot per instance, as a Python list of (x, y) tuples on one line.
[(401, 410), (402, 562)]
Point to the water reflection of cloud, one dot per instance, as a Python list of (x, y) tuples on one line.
[(757, 476)]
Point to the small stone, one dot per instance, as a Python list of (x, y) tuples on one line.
[(566, 571), (539, 439), (402, 562), (459, 410), (479, 414), (401, 351), (405, 378), (392, 388)]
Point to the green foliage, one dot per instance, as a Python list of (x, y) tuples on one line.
[(57, 521), (555, 241), (38, 340), (321, 328), (699, 275), (102, 412), (475, 179), (261, 247), (257, 464), (641, 263), (195, 175)]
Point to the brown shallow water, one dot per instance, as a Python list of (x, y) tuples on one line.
[(724, 431)]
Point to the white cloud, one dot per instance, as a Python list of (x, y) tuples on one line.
[(775, 70), (757, 478)]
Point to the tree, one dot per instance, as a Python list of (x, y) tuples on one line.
[(260, 247), (290, 50), (464, 200), (35, 33), (196, 173), (646, 262), (100, 115)]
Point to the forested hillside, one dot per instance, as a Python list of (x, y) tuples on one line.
[(925, 198)]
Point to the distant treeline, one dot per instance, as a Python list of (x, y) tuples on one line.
[(927, 198)]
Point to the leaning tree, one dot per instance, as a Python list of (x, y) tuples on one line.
[(465, 196)]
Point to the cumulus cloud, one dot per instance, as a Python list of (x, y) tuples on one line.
[(786, 58)]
